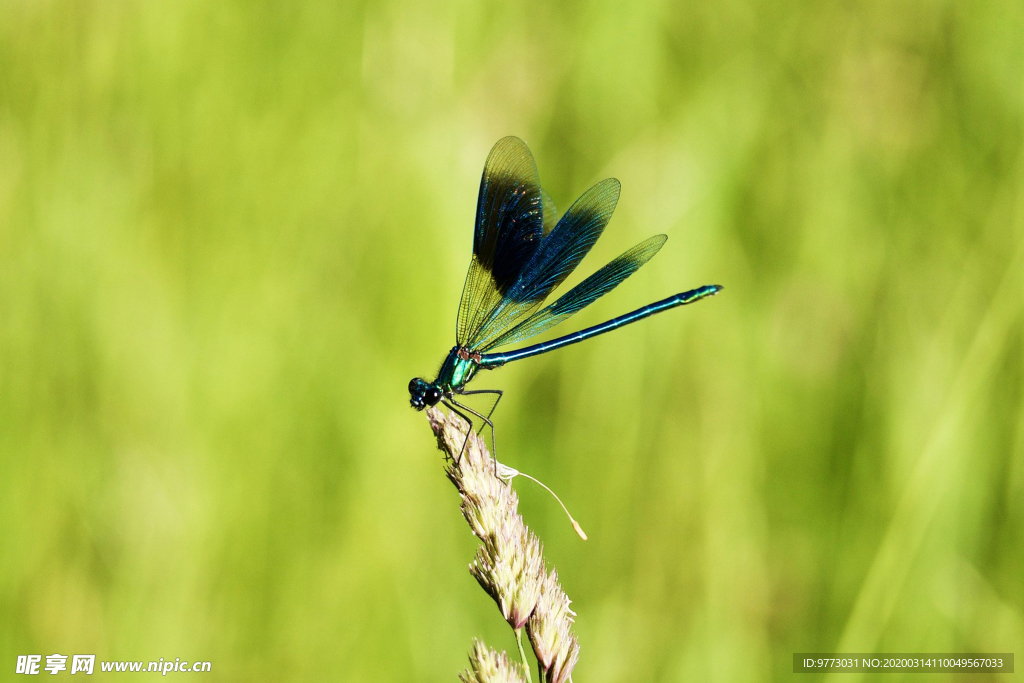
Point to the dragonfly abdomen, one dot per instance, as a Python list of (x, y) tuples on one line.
[(681, 299)]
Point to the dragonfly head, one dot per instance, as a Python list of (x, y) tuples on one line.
[(422, 394)]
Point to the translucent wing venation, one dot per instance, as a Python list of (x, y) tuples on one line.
[(509, 229), (550, 211), (559, 253), (583, 294)]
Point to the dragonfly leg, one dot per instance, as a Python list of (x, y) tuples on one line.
[(500, 393), (469, 428), (486, 419), (490, 412)]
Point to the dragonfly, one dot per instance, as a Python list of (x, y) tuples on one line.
[(521, 253)]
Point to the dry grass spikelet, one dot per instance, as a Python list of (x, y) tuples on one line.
[(489, 666), (509, 563)]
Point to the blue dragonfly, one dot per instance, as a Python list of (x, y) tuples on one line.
[(521, 253)]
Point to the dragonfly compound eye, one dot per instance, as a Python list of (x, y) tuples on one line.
[(433, 395), (417, 393)]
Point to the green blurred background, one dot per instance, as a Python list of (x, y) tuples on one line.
[(230, 233)]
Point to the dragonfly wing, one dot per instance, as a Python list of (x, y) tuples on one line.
[(559, 253), (585, 293), (550, 211), (509, 230)]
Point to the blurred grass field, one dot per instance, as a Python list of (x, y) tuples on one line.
[(230, 233)]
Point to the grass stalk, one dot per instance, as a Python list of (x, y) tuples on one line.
[(509, 565)]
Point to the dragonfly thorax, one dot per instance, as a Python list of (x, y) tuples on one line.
[(458, 368)]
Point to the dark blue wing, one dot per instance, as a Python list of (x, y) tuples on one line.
[(559, 253), (583, 294), (509, 230)]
